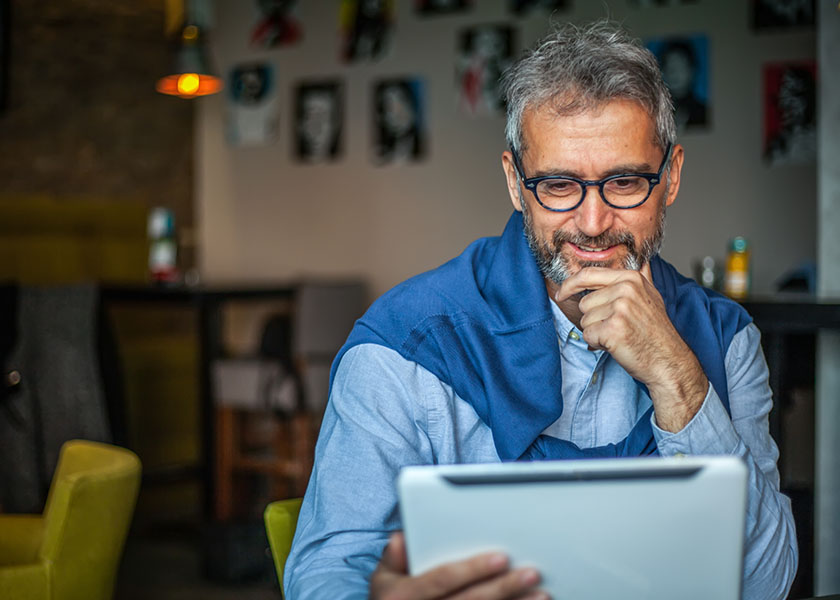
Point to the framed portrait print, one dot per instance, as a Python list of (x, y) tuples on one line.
[(399, 133), (319, 121)]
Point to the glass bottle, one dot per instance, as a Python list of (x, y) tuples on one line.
[(737, 278)]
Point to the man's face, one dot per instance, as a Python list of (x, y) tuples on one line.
[(617, 137), (316, 125), (398, 115), (792, 102), (678, 73), (488, 42)]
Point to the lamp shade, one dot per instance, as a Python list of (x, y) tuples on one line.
[(191, 75)]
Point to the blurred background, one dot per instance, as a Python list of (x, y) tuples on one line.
[(179, 271)]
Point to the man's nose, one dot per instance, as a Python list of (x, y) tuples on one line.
[(594, 216)]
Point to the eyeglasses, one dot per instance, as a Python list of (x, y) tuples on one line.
[(559, 193)]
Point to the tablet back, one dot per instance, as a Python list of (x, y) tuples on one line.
[(652, 528)]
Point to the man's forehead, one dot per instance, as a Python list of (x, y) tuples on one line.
[(562, 110), (568, 106)]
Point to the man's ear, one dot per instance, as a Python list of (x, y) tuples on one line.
[(677, 157), (511, 179)]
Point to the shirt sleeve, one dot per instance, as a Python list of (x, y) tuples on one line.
[(770, 552), (375, 422)]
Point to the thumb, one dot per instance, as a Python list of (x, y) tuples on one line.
[(646, 272), (394, 556)]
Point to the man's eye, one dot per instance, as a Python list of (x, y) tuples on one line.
[(626, 184), (558, 187)]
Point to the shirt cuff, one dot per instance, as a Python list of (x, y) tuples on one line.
[(710, 431)]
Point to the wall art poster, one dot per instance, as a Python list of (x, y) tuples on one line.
[(439, 7), (685, 68), (524, 7), (399, 134), (277, 24), (252, 115), (790, 113), (645, 3), (366, 28), (484, 52), (782, 14), (319, 121)]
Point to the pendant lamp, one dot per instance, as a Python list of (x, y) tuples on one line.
[(191, 75)]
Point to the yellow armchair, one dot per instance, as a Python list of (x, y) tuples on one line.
[(280, 524), (73, 550)]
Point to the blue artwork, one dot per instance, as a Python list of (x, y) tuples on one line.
[(685, 68)]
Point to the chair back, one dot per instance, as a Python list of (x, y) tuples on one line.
[(280, 524), (87, 516)]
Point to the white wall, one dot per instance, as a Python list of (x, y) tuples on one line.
[(261, 216)]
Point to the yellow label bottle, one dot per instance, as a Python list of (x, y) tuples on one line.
[(737, 279)]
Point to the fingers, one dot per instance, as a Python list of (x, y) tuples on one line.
[(483, 576), (591, 278), (513, 584), (450, 578), (610, 315), (535, 595)]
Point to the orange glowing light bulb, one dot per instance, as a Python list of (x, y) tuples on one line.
[(188, 84)]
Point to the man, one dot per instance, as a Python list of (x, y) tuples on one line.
[(565, 337)]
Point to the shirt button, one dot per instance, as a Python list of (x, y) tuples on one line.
[(679, 455), (595, 378), (13, 378), (574, 335)]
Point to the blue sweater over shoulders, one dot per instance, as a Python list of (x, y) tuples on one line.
[(482, 323)]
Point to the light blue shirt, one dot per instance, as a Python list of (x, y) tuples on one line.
[(386, 412)]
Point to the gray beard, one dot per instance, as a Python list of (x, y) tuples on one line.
[(555, 267)]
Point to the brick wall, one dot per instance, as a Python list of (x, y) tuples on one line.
[(82, 116)]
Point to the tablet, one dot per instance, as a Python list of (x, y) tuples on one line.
[(633, 528)]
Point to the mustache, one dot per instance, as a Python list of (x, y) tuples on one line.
[(606, 239)]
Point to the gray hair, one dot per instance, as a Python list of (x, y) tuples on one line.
[(578, 68)]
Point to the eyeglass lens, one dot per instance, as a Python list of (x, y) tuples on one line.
[(566, 193)]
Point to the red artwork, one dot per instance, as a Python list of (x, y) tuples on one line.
[(790, 112), (276, 26)]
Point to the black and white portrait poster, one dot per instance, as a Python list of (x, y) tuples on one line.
[(484, 52), (365, 29), (319, 116), (645, 3), (276, 24), (790, 113), (399, 130), (252, 115), (525, 7), (783, 14), (441, 7), (684, 61)]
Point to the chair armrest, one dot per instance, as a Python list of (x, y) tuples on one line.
[(25, 581), (20, 538)]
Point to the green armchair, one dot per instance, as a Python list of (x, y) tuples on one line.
[(280, 524), (73, 550)]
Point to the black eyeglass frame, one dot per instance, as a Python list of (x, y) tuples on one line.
[(652, 178)]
